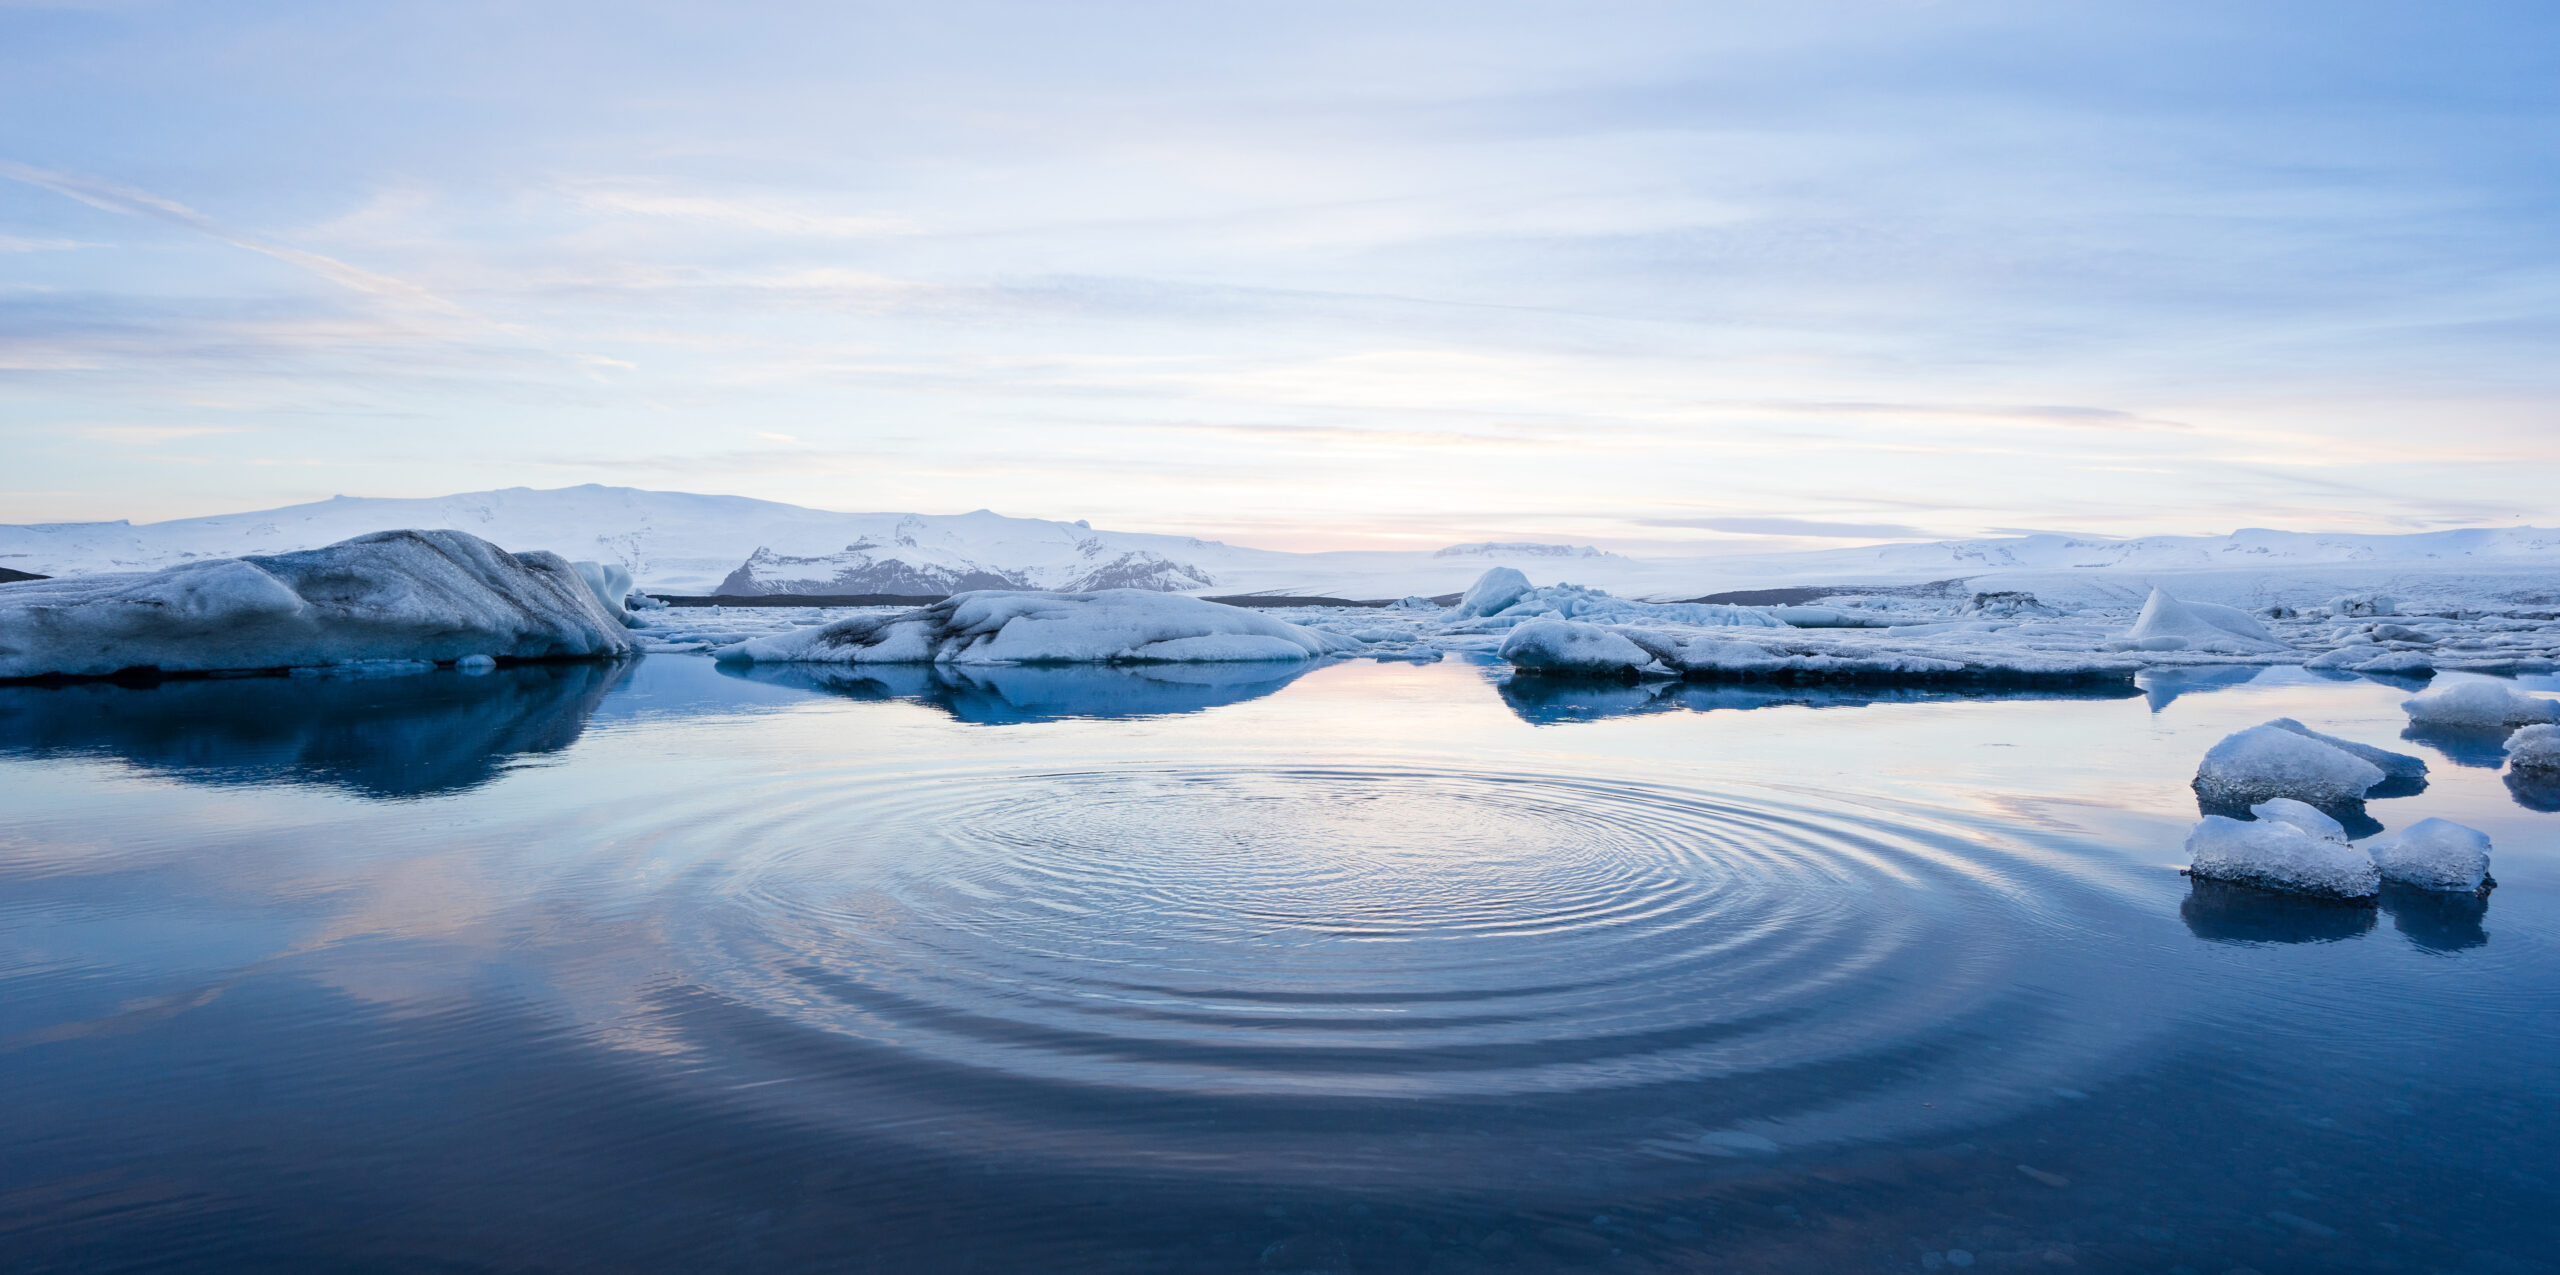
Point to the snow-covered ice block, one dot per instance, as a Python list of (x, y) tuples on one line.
[(1568, 646), (2535, 749), (2433, 854), (2394, 765), (2263, 762), (1114, 626), (2279, 856), (1493, 591), (394, 595), (2479, 706), (2308, 818), (612, 587), (2167, 624)]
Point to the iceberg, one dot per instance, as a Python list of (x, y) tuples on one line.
[(2393, 765), (2275, 855), (2479, 706), (612, 587), (2265, 762), (1114, 626), (1492, 591), (1568, 646), (421, 596), (2167, 624), (2434, 854), (2535, 749)]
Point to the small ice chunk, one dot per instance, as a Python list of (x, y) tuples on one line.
[(475, 663), (2268, 761), (2279, 856), (2535, 749), (2307, 818), (2434, 854), (1492, 591), (2479, 706), (1414, 602), (2199, 625), (1569, 646), (2364, 604), (2394, 765)]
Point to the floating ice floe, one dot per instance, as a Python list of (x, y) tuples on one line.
[(2167, 624), (413, 596), (2535, 750), (2265, 762), (1564, 646), (2479, 706), (1114, 626), (2276, 855), (2393, 765), (2433, 854)]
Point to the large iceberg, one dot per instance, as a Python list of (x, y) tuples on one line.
[(1114, 626), (2270, 761), (437, 596), (2434, 854), (2276, 855), (2480, 706)]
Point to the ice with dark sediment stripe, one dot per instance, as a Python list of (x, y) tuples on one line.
[(418, 596)]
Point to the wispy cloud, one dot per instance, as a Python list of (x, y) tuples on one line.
[(1754, 526), (110, 197)]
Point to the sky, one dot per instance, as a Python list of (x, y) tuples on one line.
[(1684, 277)]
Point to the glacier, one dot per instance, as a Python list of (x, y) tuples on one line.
[(388, 600)]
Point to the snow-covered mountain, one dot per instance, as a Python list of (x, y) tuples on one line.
[(685, 543)]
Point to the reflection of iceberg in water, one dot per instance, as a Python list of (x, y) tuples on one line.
[(2437, 920), (1547, 701), (2220, 912), (2534, 791), (2162, 686), (1005, 694), (2483, 748), (389, 738)]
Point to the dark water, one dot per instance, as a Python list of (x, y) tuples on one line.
[(1371, 968)]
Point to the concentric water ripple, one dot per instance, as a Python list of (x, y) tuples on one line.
[(1110, 958)]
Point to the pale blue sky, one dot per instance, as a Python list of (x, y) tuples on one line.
[(1741, 275)]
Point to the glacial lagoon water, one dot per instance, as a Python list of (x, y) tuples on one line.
[(1370, 967)]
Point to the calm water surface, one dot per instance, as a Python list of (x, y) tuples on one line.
[(1375, 968)]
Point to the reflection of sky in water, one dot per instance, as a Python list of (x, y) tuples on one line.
[(1158, 955)]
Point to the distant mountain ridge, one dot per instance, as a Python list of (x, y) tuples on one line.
[(681, 542)]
